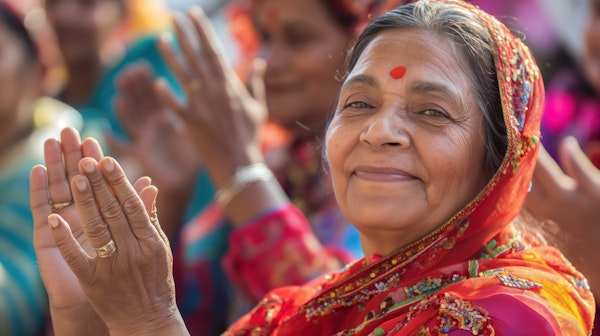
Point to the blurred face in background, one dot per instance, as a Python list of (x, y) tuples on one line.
[(20, 75), (591, 54), (83, 26), (305, 50)]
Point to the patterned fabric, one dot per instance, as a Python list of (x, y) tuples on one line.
[(475, 274), (23, 300)]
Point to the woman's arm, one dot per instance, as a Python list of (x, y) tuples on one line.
[(571, 198)]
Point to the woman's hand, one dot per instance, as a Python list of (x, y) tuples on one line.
[(130, 287), (159, 145), (572, 200), (222, 116)]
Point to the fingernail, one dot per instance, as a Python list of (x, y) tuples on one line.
[(196, 10), (88, 166), (108, 165), (53, 221), (80, 183)]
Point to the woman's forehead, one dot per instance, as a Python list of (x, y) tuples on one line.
[(413, 52)]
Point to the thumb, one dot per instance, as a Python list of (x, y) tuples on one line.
[(257, 80)]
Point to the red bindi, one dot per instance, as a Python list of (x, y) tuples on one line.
[(398, 72)]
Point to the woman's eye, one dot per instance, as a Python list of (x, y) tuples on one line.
[(433, 113), (300, 39), (358, 104)]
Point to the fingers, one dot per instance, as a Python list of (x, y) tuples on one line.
[(91, 148), (98, 206), (579, 167), (71, 147), (123, 105), (135, 100), (140, 184), (130, 202), (548, 175), (212, 51), (168, 97), (69, 248), (58, 186), (192, 49), (257, 81), (172, 60), (38, 196), (148, 196)]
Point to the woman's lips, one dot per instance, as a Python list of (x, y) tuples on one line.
[(383, 174), (281, 88)]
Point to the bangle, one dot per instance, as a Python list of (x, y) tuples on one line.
[(242, 178)]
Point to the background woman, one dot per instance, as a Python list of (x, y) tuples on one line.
[(462, 88), (26, 120), (97, 40)]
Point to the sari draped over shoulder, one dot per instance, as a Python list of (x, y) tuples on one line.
[(475, 274)]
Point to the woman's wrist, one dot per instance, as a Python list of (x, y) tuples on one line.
[(77, 321), (256, 199), (169, 324), (242, 179)]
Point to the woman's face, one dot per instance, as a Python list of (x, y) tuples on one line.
[(18, 75), (305, 51), (591, 54), (406, 144), (83, 26)]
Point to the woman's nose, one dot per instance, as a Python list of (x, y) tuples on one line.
[(386, 128), (274, 55)]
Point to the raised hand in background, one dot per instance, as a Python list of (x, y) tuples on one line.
[(570, 196)]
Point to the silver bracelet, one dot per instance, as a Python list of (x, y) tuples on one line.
[(242, 178)]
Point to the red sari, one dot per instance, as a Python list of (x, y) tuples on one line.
[(475, 274)]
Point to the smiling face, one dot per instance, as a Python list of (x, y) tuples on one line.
[(83, 26), (305, 50), (406, 152)]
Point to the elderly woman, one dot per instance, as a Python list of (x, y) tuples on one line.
[(431, 150)]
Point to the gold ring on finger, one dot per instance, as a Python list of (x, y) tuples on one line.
[(58, 206), (107, 250), (193, 86)]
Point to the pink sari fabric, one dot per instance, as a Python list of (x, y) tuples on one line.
[(475, 274)]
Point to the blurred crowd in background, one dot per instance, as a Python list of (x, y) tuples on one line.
[(83, 88)]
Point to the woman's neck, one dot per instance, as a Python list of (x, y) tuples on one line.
[(83, 79)]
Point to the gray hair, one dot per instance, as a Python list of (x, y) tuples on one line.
[(466, 30)]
